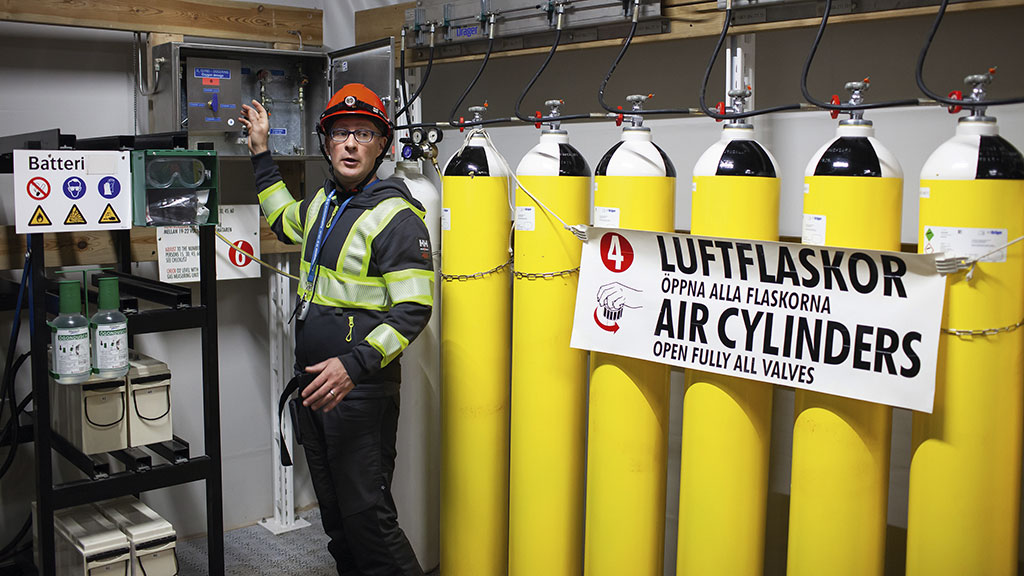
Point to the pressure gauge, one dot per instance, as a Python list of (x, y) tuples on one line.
[(417, 136), (434, 135)]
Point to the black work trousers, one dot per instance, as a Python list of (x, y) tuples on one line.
[(351, 456)]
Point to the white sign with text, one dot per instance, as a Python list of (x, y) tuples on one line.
[(861, 324)]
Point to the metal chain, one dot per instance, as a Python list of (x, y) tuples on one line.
[(478, 275), (985, 332), (544, 275)]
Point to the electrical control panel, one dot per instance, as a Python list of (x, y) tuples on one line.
[(201, 88)]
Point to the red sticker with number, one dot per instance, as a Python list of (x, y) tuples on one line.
[(239, 255), (616, 252)]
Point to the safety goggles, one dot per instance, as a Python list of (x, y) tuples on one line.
[(163, 172), (362, 135)]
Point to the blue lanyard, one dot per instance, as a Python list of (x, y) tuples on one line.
[(320, 236)]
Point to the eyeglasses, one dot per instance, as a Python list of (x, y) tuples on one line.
[(163, 172), (363, 135)]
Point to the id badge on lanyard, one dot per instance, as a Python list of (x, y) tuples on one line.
[(323, 231)]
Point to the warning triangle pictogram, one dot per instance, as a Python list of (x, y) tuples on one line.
[(74, 216), (109, 216), (39, 218)]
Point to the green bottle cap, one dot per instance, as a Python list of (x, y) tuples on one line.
[(70, 297), (109, 295)]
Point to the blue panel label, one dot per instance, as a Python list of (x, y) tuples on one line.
[(196, 104), (212, 90), (219, 73), (277, 72), (278, 131), (231, 106), (469, 31), (214, 119)]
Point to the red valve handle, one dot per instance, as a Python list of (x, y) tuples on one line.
[(837, 102), (537, 114), (956, 108), (618, 119), (720, 108), (462, 121)]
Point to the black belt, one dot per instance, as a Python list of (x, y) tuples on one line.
[(296, 383)]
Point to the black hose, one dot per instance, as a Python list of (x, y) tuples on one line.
[(919, 71), (12, 546), (608, 76), (416, 94), (519, 102), (841, 107), (401, 80), (455, 109), (707, 76)]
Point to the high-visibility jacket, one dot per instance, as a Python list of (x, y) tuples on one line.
[(373, 289)]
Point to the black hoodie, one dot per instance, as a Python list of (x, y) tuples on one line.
[(327, 331)]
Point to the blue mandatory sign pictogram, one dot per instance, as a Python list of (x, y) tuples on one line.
[(110, 187), (74, 187)]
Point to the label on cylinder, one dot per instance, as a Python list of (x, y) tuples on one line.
[(525, 219), (605, 217), (813, 232), (446, 219), (966, 242)]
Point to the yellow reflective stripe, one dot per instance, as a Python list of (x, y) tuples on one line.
[(356, 251), (313, 210), (344, 290), (411, 286), (388, 341), (274, 199), (290, 223)]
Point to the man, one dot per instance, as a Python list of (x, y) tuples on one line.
[(365, 292)]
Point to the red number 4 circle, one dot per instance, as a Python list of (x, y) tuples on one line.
[(616, 252)]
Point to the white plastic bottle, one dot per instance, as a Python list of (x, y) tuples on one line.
[(109, 329), (70, 337)]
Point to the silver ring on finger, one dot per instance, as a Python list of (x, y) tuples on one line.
[(331, 392)]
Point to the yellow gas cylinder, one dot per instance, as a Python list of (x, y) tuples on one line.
[(965, 475), (853, 190), (727, 420), (476, 343), (634, 187), (549, 379)]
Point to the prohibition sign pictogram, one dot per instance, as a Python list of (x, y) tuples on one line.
[(38, 188)]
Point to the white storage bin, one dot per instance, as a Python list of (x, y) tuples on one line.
[(92, 415), (153, 540), (149, 401)]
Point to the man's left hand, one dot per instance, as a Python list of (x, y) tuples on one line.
[(331, 384)]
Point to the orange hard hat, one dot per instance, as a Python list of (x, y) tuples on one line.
[(355, 99)]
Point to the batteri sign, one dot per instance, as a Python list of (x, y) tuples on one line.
[(67, 190), (862, 324)]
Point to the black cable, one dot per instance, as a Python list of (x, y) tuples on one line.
[(12, 546), (519, 102), (426, 74), (401, 80), (9, 381), (841, 107), (707, 76), (455, 109), (919, 72), (608, 76)]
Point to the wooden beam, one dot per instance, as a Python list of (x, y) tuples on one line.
[(378, 23), (95, 248), (686, 20), (213, 18)]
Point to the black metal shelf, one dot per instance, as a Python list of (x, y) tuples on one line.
[(142, 474)]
